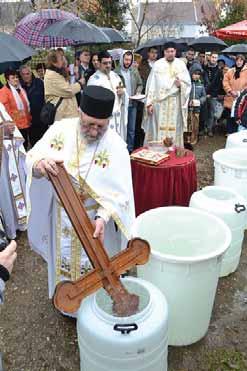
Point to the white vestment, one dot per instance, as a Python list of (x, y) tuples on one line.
[(119, 119), (12, 181), (170, 103), (103, 170)]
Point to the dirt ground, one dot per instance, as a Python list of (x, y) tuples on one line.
[(33, 337)]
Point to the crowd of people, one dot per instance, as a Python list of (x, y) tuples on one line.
[(118, 105), (211, 91)]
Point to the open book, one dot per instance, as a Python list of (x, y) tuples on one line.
[(149, 157)]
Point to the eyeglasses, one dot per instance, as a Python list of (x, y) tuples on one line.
[(88, 126)]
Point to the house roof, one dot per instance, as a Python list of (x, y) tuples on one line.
[(179, 12)]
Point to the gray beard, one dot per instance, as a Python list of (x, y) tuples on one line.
[(90, 140)]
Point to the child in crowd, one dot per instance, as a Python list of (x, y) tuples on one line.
[(197, 98)]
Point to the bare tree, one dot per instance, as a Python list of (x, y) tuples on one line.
[(79, 7), (11, 13), (139, 14)]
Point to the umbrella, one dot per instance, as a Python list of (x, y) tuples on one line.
[(116, 53), (207, 43), (159, 44), (78, 31), (236, 49), (114, 35), (236, 31), (228, 60), (30, 27), (14, 52), (12, 65)]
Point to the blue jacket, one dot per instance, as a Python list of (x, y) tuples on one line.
[(197, 92)]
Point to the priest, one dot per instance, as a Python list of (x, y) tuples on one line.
[(12, 176), (98, 162), (167, 91)]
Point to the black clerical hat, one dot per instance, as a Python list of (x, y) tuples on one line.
[(97, 102), (170, 44)]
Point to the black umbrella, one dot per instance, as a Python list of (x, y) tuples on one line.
[(236, 49), (13, 50), (115, 36), (159, 44), (78, 31), (12, 65), (208, 44)]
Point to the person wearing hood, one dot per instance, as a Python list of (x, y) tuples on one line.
[(196, 100), (133, 84)]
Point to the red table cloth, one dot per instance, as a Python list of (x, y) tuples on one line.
[(170, 183)]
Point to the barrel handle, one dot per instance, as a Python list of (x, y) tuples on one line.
[(239, 208), (125, 328), (244, 140)]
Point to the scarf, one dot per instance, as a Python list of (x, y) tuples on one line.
[(62, 71), (211, 65), (19, 98), (238, 71)]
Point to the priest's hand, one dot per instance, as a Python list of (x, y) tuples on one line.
[(99, 231), (47, 165), (150, 109)]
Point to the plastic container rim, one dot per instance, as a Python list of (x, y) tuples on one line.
[(185, 260), (225, 163)]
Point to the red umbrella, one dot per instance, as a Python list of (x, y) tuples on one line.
[(236, 31)]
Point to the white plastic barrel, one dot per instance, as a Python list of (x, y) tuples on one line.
[(230, 169), (231, 208), (187, 246), (237, 140), (138, 342)]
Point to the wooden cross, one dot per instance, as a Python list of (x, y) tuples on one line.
[(106, 272)]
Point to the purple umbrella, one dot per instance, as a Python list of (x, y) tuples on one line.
[(29, 29)]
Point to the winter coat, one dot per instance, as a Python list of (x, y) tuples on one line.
[(197, 92), (232, 84), (22, 119), (56, 86), (36, 96), (214, 78), (144, 70), (135, 78)]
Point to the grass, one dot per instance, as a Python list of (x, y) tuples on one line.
[(226, 360)]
